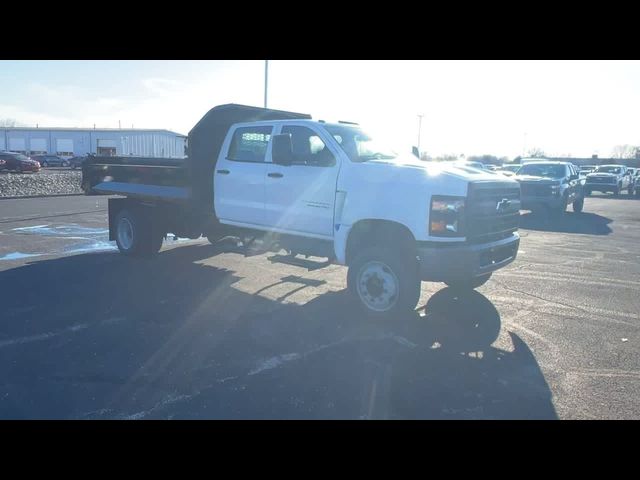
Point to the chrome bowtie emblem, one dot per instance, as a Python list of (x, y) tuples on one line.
[(503, 205)]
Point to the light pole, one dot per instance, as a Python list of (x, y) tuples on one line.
[(266, 81), (419, 130)]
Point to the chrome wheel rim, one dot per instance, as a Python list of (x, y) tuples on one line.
[(125, 233), (378, 286)]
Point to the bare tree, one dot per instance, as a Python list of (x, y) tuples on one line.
[(536, 153), (8, 122), (624, 151)]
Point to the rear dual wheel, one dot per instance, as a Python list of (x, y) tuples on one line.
[(136, 235)]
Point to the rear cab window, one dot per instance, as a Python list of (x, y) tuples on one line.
[(249, 144)]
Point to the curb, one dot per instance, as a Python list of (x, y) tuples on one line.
[(42, 196)]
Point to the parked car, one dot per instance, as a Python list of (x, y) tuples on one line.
[(550, 186), (18, 162), (586, 169), (51, 160), (609, 178), (509, 170), (465, 163), (76, 162)]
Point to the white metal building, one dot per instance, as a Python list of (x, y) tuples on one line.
[(69, 142)]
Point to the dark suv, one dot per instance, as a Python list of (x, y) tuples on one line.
[(550, 187)]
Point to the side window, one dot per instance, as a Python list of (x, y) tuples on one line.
[(308, 148), (249, 144)]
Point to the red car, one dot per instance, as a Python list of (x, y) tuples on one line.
[(18, 162)]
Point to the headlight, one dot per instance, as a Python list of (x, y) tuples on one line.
[(446, 218)]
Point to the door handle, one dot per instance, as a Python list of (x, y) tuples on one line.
[(223, 172), (275, 175)]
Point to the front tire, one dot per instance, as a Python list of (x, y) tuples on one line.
[(384, 282), (470, 284), (578, 205), (630, 191)]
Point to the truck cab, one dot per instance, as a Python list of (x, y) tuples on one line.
[(334, 184), (319, 189)]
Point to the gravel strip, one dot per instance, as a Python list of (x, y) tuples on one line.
[(58, 182)]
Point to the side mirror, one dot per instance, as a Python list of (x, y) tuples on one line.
[(282, 152), (415, 151)]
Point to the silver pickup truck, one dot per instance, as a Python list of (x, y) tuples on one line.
[(610, 179)]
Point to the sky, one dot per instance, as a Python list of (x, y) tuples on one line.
[(502, 108)]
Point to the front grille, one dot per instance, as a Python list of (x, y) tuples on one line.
[(485, 221), (533, 190), (601, 180)]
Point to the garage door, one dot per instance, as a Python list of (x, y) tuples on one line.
[(64, 147), (17, 145), (106, 147), (38, 145)]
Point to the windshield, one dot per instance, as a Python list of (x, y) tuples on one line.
[(21, 157), (511, 168), (358, 145), (543, 170), (608, 169)]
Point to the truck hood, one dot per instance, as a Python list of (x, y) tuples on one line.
[(536, 180), (441, 168)]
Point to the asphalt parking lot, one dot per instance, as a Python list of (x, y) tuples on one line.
[(86, 333)]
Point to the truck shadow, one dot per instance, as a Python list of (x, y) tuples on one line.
[(585, 222), (611, 196), (173, 337)]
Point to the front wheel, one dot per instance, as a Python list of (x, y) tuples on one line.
[(578, 205), (45, 164), (470, 284), (630, 191), (384, 282)]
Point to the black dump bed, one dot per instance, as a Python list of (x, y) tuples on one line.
[(184, 180)]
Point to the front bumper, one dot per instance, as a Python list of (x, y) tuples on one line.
[(601, 187), (532, 203), (439, 263)]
